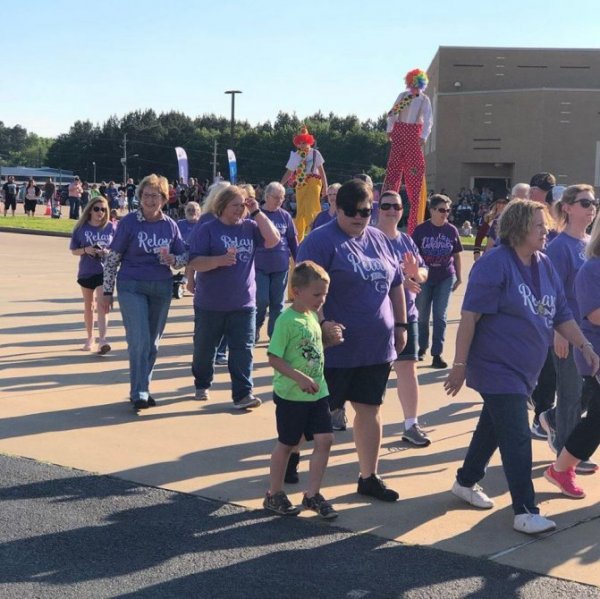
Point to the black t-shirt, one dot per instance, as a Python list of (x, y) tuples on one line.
[(10, 190), (130, 189)]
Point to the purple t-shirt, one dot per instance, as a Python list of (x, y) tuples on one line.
[(513, 334), (88, 235), (277, 259), (587, 290), (567, 255), (403, 244), (322, 219), (207, 217), (437, 246), (226, 288), (185, 228), (139, 244), (362, 270)]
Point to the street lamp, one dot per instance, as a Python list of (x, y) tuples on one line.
[(233, 92), (94, 165)]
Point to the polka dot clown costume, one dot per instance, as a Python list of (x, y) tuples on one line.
[(306, 173), (409, 124)]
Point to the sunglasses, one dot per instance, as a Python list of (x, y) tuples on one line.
[(99, 209), (388, 206), (443, 210), (363, 212), (587, 203)]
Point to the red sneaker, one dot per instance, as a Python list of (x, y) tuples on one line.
[(565, 481)]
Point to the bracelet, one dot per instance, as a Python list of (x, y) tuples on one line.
[(253, 214), (401, 325), (586, 343), (463, 364)]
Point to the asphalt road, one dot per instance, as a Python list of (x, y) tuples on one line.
[(66, 533)]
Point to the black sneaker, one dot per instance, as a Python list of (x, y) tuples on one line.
[(280, 504), (320, 505), (140, 404), (291, 472), (438, 362), (421, 355), (151, 401), (375, 487)]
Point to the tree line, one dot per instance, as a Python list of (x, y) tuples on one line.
[(348, 145)]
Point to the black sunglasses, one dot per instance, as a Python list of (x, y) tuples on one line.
[(585, 203), (388, 206), (351, 213), (443, 210), (99, 209)]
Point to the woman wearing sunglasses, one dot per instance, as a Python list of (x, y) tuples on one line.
[(575, 212), (415, 274), (366, 297), (439, 244), (91, 236)]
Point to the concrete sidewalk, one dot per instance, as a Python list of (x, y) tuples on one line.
[(67, 407)]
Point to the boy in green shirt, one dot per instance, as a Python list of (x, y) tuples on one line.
[(299, 389)]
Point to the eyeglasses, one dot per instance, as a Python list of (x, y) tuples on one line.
[(585, 203), (151, 196), (363, 212), (99, 209), (443, 210), (388, 206)]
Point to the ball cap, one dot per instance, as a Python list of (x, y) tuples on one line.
[(544, 181)]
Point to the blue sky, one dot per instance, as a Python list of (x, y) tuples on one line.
[(90, 60)]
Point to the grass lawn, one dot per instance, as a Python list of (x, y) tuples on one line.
[(38, 222)]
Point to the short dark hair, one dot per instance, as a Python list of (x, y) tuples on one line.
[(438, 198), (352, 193)]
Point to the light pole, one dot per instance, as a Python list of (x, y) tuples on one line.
[(233, 92), (94, 165), (124, 159)]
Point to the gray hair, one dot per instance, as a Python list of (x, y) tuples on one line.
[(273, 187), (520, 187)]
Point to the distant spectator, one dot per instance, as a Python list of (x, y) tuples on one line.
[(75, 191), (112, 195), (520, 191), (32, 194), (130, 192), (10, 195), (466, 229)]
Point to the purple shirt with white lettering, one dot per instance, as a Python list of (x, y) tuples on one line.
[(513, 334), (226, 288), (587, 291), (567, 255), (362, 270), (139, 244), (87, 235), (277, 259), (404, 244), (322, 219), (437, 246)]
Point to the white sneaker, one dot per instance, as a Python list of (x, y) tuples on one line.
[(533, 524), (201, 395), (473, 495)]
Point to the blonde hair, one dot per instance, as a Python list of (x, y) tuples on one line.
[(87, 212), (157, 181), (226, 196), (208, 206), (568, 197), (517, 220), (248, 190), (306, 272)]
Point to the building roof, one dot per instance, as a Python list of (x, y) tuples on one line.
[(25, 172)]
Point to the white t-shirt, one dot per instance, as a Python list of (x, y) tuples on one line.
[(313, 155)]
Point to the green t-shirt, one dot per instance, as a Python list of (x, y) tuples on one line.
[(297, 340)]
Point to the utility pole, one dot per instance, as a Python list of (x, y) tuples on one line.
[(214, 160), (232, 92), (124, 159)]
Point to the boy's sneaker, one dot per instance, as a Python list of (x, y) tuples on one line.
[(547, 423), (375, 487), (291, 471), (565, 481), (320, 505), (280, 504), (586, 467), (415, 435), (438, 362), (473, 495), (250, 401), (532, 524), (201, 395), (338, 419), (537, 432)]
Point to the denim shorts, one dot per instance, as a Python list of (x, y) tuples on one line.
[(297, 418), (409, 353)]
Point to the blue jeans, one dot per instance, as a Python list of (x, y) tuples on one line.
[(270, 293), (238, 328), (144, 308), (433, 297), (503, 424), (74, 204)]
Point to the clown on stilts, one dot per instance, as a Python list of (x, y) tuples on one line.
[(409, 124), (305, 169)]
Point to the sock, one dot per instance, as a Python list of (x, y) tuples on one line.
[(409, 422)]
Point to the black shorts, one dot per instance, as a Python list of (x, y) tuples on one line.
[(410, 351), (361, 384), (10, 202), (30, 205), (297, 418), (92, 282)]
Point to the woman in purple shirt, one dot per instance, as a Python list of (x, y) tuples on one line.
[(439, 245), (91, 236), (272, 264), (513, 303), (366, 297), (585, 437), (222, 253), (147, 243)]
